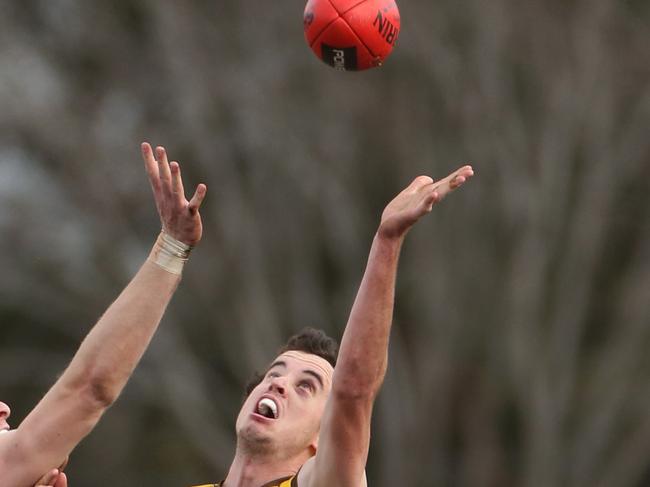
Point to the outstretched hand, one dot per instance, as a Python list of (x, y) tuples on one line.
[(179, 217), (418, 199)]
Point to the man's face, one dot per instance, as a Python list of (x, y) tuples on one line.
[(281, 416), (5, 412)]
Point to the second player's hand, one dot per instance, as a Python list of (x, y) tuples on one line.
[(179, 217), (418, 199), (55, 478)]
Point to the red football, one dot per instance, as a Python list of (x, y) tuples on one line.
[(352, 35)]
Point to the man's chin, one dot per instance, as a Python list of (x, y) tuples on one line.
[(255, 439)]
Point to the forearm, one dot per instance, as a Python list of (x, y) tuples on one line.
[(359, 373), (112, 349), (93, 380), (362, 360)]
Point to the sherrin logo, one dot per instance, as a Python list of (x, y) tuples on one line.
[(385, 28)]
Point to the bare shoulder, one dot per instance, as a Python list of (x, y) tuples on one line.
[(306, 476)]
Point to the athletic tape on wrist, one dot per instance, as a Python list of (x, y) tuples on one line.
[(170, 254)]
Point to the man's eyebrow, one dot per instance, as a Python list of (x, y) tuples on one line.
[(277, 363), (316, 376)]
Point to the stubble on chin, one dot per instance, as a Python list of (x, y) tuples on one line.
[(254, 442)]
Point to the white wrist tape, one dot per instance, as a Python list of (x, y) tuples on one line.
[(170, 254)]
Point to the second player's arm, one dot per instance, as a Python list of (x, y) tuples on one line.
[(345, 428)]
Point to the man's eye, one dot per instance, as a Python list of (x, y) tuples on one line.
[(272, 374), (306, 385)]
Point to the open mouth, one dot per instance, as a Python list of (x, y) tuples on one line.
[(268, 408)]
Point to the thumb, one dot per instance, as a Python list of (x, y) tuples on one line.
[(48, 479), (427, 203), (62, 481)]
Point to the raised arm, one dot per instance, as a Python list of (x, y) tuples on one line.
[(345, 429), (112, 349)]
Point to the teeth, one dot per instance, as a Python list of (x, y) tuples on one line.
[(266, 406), (4, 431)]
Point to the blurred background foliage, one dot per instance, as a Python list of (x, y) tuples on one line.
[(519, 351)]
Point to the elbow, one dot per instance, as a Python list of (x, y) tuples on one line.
[(355, 399), (361, 385), (97, 390), (102, 393), (97, 385), (352, 391)]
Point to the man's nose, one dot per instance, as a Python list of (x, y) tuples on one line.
[(5, 411), (279, 385)]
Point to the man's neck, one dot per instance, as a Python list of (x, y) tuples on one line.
[(255, 471)]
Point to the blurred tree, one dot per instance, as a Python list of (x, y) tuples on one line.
[(518, 356)]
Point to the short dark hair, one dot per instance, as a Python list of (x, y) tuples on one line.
[(308, 340)]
